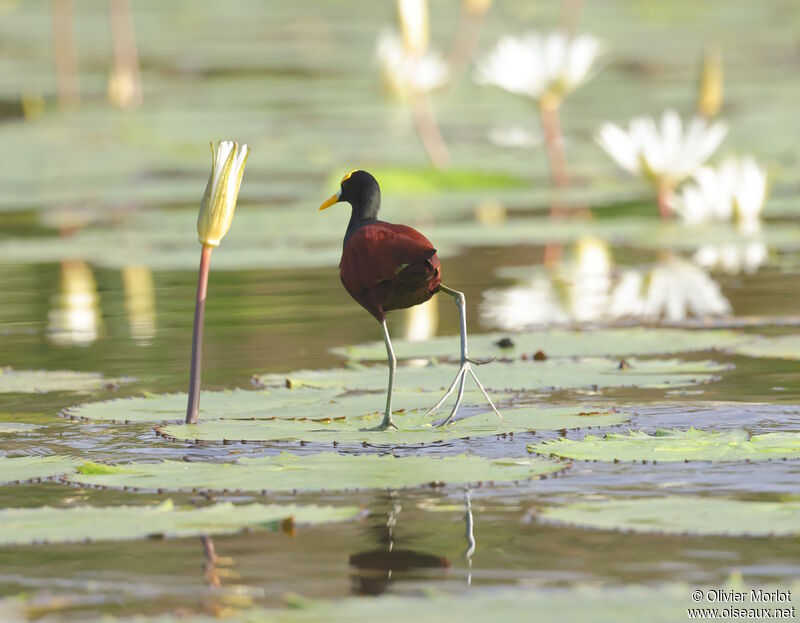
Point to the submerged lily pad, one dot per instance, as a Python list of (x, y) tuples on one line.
[(555, 343), (39, 381), (327, 471), (781, 347), (678, 515), (675, 445), (25, 526), (301, 403), (25, 468), (414, 428), (517, 375)]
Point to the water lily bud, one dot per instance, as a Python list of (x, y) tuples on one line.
[(709, 100), (222, 190), (413, 16)]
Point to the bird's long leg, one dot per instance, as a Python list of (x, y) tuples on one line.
[(387, 416), (466, 362)]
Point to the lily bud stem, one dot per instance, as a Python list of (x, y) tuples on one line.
[(554, 143), (428, 131), (664, 201), (193, 405)]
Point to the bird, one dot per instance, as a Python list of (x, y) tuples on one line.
[(387, 266)]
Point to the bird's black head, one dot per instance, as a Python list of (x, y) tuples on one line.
[(361, 191)]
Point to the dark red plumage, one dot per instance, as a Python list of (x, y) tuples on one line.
[(386, 266)]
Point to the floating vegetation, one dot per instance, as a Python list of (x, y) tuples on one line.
[(27, 468), (298, 404), (326, 471), (676, 514), (28, 526), (413, 428), (781, 347), (638, 341), (39, 381), (675, 445), (514, 375)]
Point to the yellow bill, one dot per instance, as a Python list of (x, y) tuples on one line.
[(330, 201)]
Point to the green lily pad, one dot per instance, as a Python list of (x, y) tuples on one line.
[(25, 468), (414, 428), (26, 526), (293, 237), (675, 445), (39, 381), (555, 343), (517, 375), (300, 403), (327, 471), (784, 237), (17, 427), (781, 347), (682, 514)]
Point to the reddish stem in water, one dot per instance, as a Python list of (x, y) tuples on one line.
[(428, 131), (193, 404), (664, 201), (554, 142), (465, 42), (570, 14), (126, 56), (66, 54)]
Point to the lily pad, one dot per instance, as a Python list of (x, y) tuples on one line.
[(784, 237), (39, 381), (26, 468), (300, 403), (327, 471), (781, 347), (516, 375), (414, 428), (675, 445), (681, 515), (17, 427), (555, 343), (280, 238), (26, 526)]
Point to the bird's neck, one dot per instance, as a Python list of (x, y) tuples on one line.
[(361, 216)]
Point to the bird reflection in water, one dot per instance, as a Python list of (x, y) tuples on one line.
[(373, 570), (470, 536)]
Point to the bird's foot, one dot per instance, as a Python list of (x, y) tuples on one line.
[(460, 379), (386, 424)]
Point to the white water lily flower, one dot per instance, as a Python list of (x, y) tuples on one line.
[(405, 71), (663, 155), (222, 192), (732, 258), (541, 67), (673, 289), (735, 191), (514, 136)]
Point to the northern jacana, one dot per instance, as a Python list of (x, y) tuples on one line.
[(386, 266)]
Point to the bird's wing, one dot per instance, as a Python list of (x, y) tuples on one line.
[(380, 252)]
